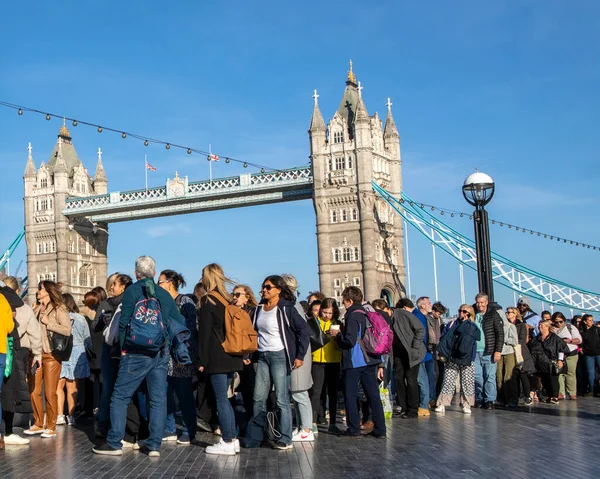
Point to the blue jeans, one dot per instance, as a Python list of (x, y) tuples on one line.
[(220, 383), (2, 367), (485, 378), (590, 366), (108, 369), (367, 377), (182, 387), (272, 365), (132, 371), (427, 384)]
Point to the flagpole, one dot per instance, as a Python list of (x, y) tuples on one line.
[(146, 170), (210, 161)]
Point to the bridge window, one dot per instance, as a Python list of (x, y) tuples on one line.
[(82, 246), (334, 216), (356, 281), (52, 246), (338, 137), (43, 205), (83, 278), (356, 254), (336, 282), (45, 247), (339, 163), (350, 162), (71, 246), (330, 164), (39, 248), (336, 256), (347, 255), (354, 214), (44, 183), (344, 215)]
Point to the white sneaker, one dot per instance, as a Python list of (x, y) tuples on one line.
[(15, 440), (440, 409), (169, 438), (33, 430), (127, 444), (236, 445), (71, 420), (61, 420), (222, 448), (138, 445), (153, 453), (49, 433), (184, 439), (466, 409), (302, 436)]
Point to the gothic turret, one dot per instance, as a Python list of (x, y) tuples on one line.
[(30, 166), (316, 122), (390, 127), (100, 181)]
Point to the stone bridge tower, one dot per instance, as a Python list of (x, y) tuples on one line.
[(359, 237), (73, 254)]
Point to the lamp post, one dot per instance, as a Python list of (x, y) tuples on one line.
[(478, 190)]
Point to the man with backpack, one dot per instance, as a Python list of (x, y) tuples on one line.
[(146, 311), (357, 365)]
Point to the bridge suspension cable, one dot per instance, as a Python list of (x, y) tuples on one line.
[(5, 258), (506, 272)]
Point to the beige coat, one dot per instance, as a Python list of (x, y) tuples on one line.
[(58, 322), (30, 333)]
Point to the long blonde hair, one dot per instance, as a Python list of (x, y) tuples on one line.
[(471, 311), (110, 281), (214, 279), (12, 283)]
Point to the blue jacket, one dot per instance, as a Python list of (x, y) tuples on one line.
[(293, 329), (355, 325), (133, 294), (423, 319), (458, 344)]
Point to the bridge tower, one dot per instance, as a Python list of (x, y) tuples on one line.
[(360, 239), (72, 253)]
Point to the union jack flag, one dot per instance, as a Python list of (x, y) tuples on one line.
[(212, 157), (150, 167)]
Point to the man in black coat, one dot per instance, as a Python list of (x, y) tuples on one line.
[(489, 351)]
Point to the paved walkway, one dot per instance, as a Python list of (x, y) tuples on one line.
[(539, 442)]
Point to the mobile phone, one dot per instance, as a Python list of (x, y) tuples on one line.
[(34, 368)]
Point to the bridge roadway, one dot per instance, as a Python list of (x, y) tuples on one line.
[(542, 441), (179, 196)]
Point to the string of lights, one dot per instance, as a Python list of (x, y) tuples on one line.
[(189, 150), (460, 214), (124, 134)]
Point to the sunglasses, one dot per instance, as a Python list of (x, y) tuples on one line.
[(510, 312), (237, 295), (268, 287), (559, 322), (464, 311)]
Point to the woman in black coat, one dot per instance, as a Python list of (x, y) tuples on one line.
[(548, 352)]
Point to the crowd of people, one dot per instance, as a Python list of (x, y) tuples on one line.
[(150, 364)]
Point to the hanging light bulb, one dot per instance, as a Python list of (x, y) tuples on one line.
[(48, 116), (20, 112), (99, 129), (189, 151), (74, 122), (226, 160), (123, 135), (452, 215), (245, 165), (442, 213), (262, 170), (167, 146), (145, 142)]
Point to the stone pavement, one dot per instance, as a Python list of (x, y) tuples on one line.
[(542, 441)]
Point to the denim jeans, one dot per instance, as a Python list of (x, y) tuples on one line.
[(108, 370), (272, 365), (132, 371), (427, 383), (182, 387), (220, 383), (2, 367), (367, 377), (485, 378), (591, 362), (303, 407)]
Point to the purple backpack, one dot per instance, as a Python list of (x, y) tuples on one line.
[(378, 336)]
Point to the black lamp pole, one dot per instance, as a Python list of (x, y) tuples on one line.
[(478, 190)]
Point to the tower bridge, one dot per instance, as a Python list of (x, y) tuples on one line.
[(67, 211)]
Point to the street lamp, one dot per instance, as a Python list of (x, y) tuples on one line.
[(478, 190)]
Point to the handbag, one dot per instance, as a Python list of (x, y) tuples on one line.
[(555, 370), (384, 395), (318, 338), (61, 345), (518, 355), (111, 332)]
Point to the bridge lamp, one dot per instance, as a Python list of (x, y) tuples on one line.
[(478, 189)]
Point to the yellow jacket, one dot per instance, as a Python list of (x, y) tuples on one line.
[(331, 352), (6, 324)]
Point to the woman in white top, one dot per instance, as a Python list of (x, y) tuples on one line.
[(570, 335)]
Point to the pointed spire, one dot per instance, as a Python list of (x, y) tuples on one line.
[(100, 175), (30, 167), (351, 75), (361, 111), (316, 122), (60, 165), (390, 126)]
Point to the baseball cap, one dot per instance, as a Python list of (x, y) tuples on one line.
[(523, 300)]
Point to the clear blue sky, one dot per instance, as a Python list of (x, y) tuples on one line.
[(510, 87)]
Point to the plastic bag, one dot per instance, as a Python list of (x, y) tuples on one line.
[(384, 394), (9, 358)]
